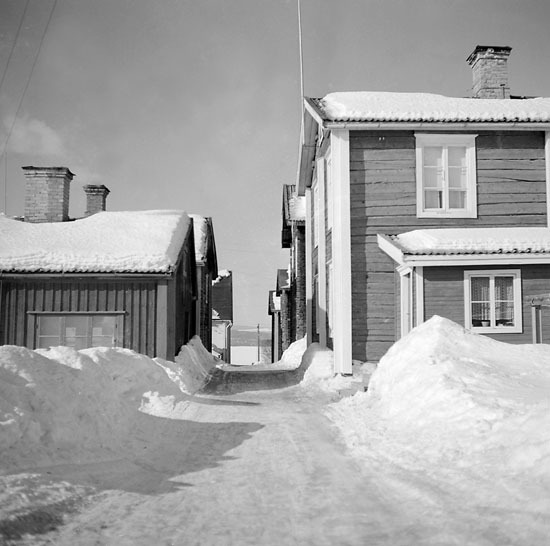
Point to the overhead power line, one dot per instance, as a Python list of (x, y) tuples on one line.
[(29, 78), (14, 43), (5, 148)]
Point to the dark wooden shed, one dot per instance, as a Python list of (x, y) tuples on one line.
[(123, 279)]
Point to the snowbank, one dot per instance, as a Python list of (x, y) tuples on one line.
[(193, 366), (443, 398), (61, 405), (290, 360), (318, 366)]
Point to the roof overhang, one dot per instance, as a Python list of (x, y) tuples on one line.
[(437, 126), (404, 259), (311, 122)]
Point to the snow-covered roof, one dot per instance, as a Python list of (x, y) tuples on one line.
[(365, 106), (517, 240), (200, 228), (114, 242)]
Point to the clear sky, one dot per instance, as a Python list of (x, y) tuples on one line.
[(195, 104)]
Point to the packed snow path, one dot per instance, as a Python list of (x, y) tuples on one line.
[(260, 468)]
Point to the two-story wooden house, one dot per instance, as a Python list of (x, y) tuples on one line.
[(421, 204)]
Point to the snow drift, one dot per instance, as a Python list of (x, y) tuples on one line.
[(61, 405), (443, 397)]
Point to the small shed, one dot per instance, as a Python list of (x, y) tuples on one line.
[(123, 279)]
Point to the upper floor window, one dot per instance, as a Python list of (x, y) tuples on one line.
[(446, 176), (493, 301)]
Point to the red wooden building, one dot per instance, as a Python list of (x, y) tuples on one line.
[(378, 167)]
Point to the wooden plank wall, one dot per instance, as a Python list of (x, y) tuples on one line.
[(444, 296), (511, 192), (137, 298)]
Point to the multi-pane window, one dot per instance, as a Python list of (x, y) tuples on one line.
[(446, 176), (78, 330), (493, 300)]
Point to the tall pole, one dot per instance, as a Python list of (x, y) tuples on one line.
[(301, 55)]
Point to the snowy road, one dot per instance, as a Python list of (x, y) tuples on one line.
[(258, 468)]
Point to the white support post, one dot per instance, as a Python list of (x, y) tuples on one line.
[(341, 252), (405, 275), (419, 293)]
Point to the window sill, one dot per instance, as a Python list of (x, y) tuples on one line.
[(446, 214), (496, 329)]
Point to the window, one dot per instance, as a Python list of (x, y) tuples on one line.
[(493, 301), (446, 176), (78, 330)]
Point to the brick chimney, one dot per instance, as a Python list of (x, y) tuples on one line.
[(490, 72), (96, 196), (47, 194)]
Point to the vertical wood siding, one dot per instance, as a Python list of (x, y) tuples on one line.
[(511, 186), (136, 298)]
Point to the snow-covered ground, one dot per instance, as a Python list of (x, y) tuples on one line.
[(463, 423), (449, 445)]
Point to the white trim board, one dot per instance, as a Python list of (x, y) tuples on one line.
[(341, 252)]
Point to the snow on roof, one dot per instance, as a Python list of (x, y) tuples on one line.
[(200, 228), (136, 242), (222, 274), (519, 240), (426, 107)]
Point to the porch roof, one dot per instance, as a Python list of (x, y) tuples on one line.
[(448, 246)]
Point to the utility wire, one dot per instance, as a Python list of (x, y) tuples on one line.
[(29, 78), (14, 43), (5, 149)]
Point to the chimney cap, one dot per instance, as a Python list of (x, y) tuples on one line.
[(502, 51), (97, 188), (53, 170)]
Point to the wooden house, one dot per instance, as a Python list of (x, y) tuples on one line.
[(420, 204), (207, 271), (293, 237), (274, 311), (222, 314), (124, 279)]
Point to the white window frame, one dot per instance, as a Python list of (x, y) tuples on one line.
[(492, 273), (445, 141)]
